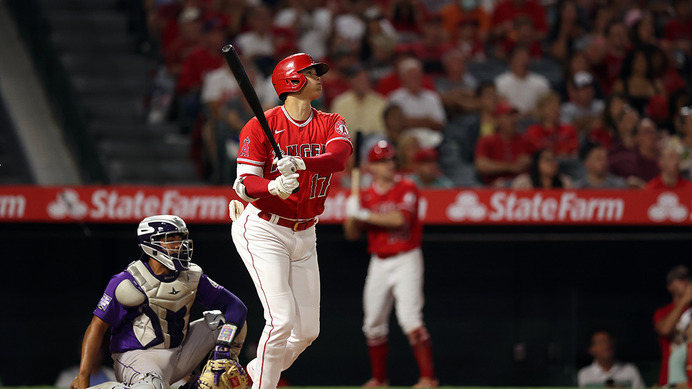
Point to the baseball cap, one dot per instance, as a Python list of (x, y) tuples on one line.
[(679, 272), (425, 155), (189, 14), (582, 79), (686, 111), (504, 108)]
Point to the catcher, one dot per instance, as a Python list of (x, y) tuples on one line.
[(147, 307)]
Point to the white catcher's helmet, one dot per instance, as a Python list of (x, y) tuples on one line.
[(154, 229)]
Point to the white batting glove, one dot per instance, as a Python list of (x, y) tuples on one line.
[(289, 164), (283, 186), (354, 210)]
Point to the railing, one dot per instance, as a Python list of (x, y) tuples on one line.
[(35, 32)]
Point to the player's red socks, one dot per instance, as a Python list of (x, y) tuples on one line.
[(378, 350), (422, 350)]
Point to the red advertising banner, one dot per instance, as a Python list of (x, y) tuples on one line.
[(124, 204)]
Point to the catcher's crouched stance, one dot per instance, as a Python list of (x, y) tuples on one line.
[(147, 307)]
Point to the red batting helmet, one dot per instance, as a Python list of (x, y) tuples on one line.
[(286, 77), (381, 151)]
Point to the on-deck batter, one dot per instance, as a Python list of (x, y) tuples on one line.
[(275, 235), (388, 210)]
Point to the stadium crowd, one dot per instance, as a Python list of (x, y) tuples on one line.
[(494, 93)]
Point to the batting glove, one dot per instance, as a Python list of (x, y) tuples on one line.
[(289, 164), (354, 210), (283, 186)]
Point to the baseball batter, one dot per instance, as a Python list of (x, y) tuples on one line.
[(275, 234), (147, 307), (388, 210)]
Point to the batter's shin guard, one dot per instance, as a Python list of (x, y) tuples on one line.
[(378, 350), (422, 350)]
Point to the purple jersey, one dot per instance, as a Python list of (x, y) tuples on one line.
[(149, 311)]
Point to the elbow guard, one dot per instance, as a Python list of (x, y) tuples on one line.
[(240, 190)]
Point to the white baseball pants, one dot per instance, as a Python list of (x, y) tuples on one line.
[(396, 282), (283, 266)]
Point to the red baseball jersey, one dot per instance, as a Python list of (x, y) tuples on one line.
[(306, 139), (403, 196)]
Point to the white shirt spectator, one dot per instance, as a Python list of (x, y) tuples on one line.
[(220, 85), (254, 45), (570, 111), (314, 29), (522, 93), (425, 104), (625, 375)]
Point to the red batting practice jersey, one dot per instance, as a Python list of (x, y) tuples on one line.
[(403, 196), (307, 139)]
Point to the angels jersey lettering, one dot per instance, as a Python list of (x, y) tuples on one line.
[(403, 196), (307, 139)]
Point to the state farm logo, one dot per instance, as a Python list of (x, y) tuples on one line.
[(467, 206), (667, 206), (67, 203), (104, 204)]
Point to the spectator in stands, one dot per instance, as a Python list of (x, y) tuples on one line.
[(671, 320), (606, 371), (640, 164), (423, 109), (607, 58), (583, 109), (507, 10), (456, 86), (577, 62), (637, 82), (426, 171), (605, 129), (393, 81), (361, 106), (567, 29), (670, 177), (664, 69), (519, 86), (336, 81), (406, 153), (379, 53), (350, 25), (432, 45), (677, 31), (550, 132), (543, 173), (456, 13), (678, 363), (256, 43), (624, 138), (642, 29), (505, 154), (406, 16), (595, 159), (311, 24), (524, 35), (185, 34), (682, 140), (201, 60), (462, 132), (469, 40)]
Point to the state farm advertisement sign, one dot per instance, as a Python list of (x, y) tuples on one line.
[(123, 204)]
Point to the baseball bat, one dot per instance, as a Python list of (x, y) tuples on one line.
[(245, 85), (355, 171)]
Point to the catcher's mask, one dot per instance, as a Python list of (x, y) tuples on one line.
[(165, 238), (286, 76)]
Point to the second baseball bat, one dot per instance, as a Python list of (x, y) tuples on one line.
[(355, 171)]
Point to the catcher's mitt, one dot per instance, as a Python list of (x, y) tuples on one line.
[(222, 374)]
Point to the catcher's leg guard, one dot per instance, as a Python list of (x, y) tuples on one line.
[(149, 381)]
